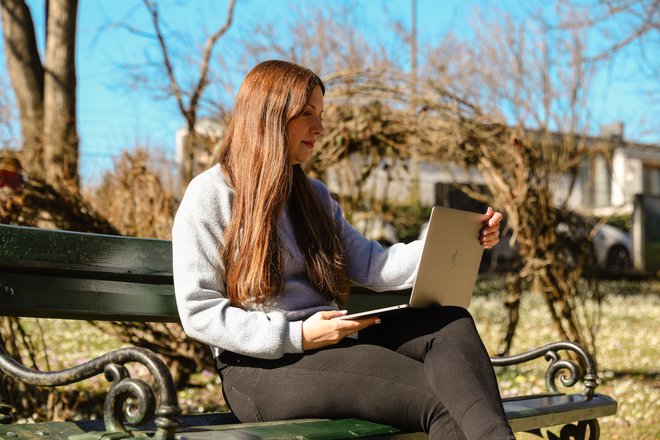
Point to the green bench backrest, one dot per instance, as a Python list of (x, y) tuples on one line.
[(73, 275), (59, 274)]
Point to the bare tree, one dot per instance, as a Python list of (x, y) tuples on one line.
[(187, 94), (513, 106), (7, 137), (328, 38), (521, 168), (621, 33), (27, 76), (45, 91), (536, 80), (621, 23)]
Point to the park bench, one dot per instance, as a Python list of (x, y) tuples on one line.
[(69, 275)]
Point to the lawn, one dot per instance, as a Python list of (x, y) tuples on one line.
[(628, 354)]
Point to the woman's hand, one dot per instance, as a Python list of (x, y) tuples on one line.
[(490, 234), (320, 330)]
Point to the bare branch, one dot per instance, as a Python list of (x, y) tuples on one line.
[(208, 50), (190, 109), (645, 15), (152, 7)]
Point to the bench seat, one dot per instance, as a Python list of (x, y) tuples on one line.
[(537, 411), (528, 413), (69, 275)]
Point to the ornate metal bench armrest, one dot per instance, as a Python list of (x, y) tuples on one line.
[(123, 387), (585, 369)]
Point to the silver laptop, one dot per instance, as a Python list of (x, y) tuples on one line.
[(448, 266)]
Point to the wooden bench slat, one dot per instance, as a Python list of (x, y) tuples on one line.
[(307, 429), (50, 431), (296, 430), (84, 295), (537, 412), (45, 249), (524, 414), (75, 298)]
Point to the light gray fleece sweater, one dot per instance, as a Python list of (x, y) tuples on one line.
[(275, 328)]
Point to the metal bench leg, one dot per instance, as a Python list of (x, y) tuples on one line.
[(5, 414), (584, 430), (6, 410)]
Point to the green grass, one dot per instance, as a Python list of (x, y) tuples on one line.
[(628, 353)]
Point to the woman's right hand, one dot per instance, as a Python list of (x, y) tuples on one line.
[(320, 329)]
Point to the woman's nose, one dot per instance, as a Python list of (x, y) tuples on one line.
[(318, 127)]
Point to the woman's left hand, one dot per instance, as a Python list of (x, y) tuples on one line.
[(490, 233)]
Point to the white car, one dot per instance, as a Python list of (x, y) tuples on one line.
[(614, 249)]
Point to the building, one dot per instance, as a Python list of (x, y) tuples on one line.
[(209, 132), (608, 179)]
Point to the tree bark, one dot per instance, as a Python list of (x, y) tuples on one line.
[(27, 79), (45, 93), (188, 154), (60, 133)]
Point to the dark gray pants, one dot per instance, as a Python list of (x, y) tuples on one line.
[(419, 370)]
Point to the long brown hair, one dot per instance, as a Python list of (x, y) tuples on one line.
[(255, 159)]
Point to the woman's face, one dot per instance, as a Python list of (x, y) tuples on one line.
[(303, 130)]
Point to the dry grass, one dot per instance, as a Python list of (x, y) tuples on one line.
[(628, 351)]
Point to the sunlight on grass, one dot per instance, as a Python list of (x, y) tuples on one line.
[(628, 344)]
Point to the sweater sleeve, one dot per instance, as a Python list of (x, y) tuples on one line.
[(367, 262), (205, 312)]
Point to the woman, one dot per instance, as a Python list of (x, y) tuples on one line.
[(262, 256)]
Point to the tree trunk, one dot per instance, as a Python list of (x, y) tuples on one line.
[(188, 155), (27, 79), (60, 133), (46, 96)]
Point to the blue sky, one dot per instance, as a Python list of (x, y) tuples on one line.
[(113, 116)]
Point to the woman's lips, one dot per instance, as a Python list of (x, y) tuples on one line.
[(309, 144)]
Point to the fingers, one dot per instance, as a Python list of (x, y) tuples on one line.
[(359, 324), (354, 323), (320, 329), (331, 314), (495, 219), (490, 234), (490, 240)]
